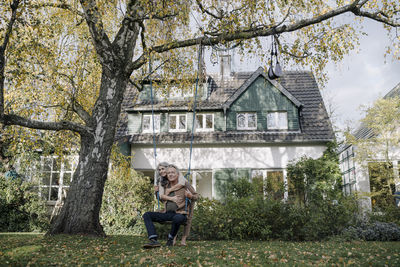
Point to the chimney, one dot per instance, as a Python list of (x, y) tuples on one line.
[(225, 66)]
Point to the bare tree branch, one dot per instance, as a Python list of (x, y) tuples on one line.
[(41, 125), (140, 88), (12, 119), (76, 106), (82, 113), (142, 37), (61, 5), (101, 41), (206, 11), (125, 40), (3, 47), (378, 16), (255, 32)]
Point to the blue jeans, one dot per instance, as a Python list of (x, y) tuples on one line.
[(176, 218)]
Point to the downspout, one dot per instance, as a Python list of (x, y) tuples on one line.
[(300, 114), (224, 118)]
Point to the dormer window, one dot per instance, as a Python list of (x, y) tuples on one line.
[(174, 92), (277, 121), (246, 121), (148, 123), (177, 123), (204, 122)]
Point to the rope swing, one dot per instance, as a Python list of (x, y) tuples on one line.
[(187, 176)]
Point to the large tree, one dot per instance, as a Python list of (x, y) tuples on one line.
[(65, 64)]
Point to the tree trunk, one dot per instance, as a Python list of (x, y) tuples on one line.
[(80, 213)]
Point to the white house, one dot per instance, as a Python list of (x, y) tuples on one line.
[(359, 176), (246, 125)]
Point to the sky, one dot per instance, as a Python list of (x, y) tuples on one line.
[(359, 79)]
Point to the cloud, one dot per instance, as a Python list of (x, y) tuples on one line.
[(362, 77)]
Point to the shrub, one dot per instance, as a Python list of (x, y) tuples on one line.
[(389, 214), (21, 208), (245, 213), (127, 195), (375, 231), (257, 218), (313, 180), (232, 220)]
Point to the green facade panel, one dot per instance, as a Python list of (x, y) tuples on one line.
[(164, 122), (262, 97), (125, 148), (219, 121)]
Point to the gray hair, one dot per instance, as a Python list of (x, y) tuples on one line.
[(173, 166), (161, 164)]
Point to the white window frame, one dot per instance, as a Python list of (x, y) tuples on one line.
[(264, 174), (176, 118), (204, 120), (157, 123), (276, 119), (246, 117), (174, 92), (61, 187)]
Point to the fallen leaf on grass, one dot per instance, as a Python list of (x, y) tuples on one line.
[(142, 260)]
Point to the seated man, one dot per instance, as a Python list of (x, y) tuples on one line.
[(174, 208)]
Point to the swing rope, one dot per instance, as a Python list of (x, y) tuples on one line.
[(193, 121), (194, 110), (154, 134), (193, 124)]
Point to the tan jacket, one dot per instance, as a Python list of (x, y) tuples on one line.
[(183, 208)]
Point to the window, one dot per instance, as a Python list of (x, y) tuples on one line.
[(148, 123), (277, 120), (174, 92), (271, 183), (246, 121), (55, 177), (348, 170), (177, 123), (275, 186), (382, 185), (204, 122), (203, 183)]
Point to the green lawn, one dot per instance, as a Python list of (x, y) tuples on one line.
[(36, 249)]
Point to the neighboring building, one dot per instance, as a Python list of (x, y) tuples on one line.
[(52, 175), (246, 125), (362, 177)]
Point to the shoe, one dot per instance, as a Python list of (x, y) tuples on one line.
[(152, 244), (170, 242)]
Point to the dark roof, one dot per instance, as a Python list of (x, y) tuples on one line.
[(228, 137), (299, 86), (129, 99), (394, 92), (314, 119)]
